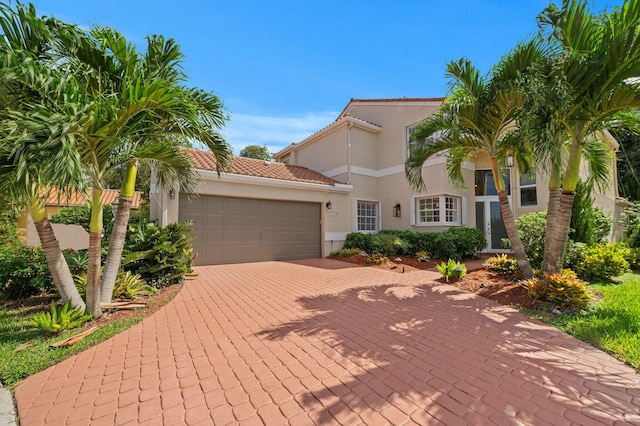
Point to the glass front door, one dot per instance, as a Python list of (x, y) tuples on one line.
[(489, 220)]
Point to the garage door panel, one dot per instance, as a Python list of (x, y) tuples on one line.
[(234, 230)]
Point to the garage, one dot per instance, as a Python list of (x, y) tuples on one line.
[(237, 230)]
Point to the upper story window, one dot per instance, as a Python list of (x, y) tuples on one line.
[(528, 192), (438, 210), (409, 132), (367, 216), (485, 185)]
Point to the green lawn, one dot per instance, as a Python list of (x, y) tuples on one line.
[(613, 323)]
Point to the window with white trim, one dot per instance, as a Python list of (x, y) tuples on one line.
[(438, 210), (528, 191), (409, 132), (367, 216)]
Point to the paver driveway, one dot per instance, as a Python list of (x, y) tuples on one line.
[(325, 342)]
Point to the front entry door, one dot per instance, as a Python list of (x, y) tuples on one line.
[(489, 220)]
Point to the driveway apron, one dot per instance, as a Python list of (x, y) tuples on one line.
[(325, 342)]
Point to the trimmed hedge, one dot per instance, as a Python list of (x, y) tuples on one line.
[(455, 243)]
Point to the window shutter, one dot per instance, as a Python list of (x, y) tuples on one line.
[(463, 211), (412, 210)]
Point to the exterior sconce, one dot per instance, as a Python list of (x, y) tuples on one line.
[(172, 194), (328, 204), (509, 161), (396, 210)]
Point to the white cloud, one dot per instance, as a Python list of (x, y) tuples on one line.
[(277, 132)]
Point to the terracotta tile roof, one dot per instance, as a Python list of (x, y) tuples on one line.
[(56, 198), (205, 160)]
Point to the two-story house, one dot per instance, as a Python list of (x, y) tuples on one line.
[(349, 176)]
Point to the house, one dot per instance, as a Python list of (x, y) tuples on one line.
[(69, 236), (349, 176)]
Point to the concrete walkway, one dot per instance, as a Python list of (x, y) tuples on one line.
[(325, 342)]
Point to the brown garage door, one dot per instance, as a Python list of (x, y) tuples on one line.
[(236, 230)]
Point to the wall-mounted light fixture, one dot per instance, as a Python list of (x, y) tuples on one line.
[(509, 161), (328, 204), (172, 194), (396, 210)]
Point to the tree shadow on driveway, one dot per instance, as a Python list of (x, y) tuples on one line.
[(433, 353)]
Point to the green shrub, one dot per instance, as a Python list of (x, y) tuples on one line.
[(502, 264), (8, 218), (23, 272), (633, 228), (419, 241), (452, 269), (78, 261), (563, 289), (358, 240), (589, 225), (574, 254), (346, 252), (160, 255), (531, 228), (60, 319), (633, 258), (389, 244), (81, 215), (468, 241), (377, 259), (603, 262), (130, 286), (422, 256)]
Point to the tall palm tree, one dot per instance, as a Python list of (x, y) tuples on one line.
[(143, 112), (477, 116), (583, 86), (36, 151)]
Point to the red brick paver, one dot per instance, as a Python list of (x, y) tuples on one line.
[(324, 342)]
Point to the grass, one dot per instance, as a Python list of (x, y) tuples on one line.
[(612, 323), (16, 329)]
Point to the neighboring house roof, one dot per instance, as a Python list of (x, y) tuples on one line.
[(387, 101), (205, 160), (74, 198)]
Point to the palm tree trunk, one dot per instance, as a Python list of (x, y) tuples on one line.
[(95, 247), (118, 233), (563, 220), (56, 262), (555, 192), (514, 237)]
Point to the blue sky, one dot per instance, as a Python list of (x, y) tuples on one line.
[(285, 68)]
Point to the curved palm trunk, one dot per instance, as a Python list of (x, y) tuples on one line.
[(118, 234), (56, 262), (95, 240), (510, 222), (555, 192), (514, 237), (563, 220)]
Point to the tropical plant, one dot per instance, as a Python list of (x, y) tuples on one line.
[(388, 244), (422, 256), (130, 286), (501, 264), (161, 255), (452, 269), (377, 259), (563, 289), (60, 319), (346, 252), (589, 225), (584, 85), (603, 262), (477, 117), (78, 261)]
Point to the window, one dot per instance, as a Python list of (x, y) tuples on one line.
[(438, 210), (409, 132), (528, 193), (367, 215), (485, 185)]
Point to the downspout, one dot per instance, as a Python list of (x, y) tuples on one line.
[(349, 153)]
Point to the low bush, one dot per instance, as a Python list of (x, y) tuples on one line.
[(633, 258), (502, 264), (563, 289), (452, 269), (468, 241), (603, 262), (347, 252), (388, 244), (161, 255), (23, 272), (129, 286), (60, 319), (377, 259), (359, 240)]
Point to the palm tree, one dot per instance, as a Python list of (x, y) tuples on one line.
[(143, 112), (477, 116), (36, 151), (583, 87)]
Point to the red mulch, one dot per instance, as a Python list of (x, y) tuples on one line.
[(502, 289)]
